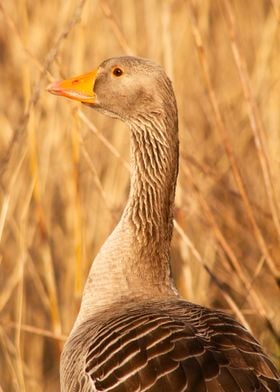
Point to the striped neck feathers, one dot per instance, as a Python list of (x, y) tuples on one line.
[(154, 162), (135, 259)]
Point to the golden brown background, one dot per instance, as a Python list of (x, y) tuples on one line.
[(64, 173)]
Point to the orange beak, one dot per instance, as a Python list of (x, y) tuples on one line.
[(79, 88)]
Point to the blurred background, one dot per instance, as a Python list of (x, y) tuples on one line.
[(64, 176)]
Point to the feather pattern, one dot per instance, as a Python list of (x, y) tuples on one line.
[(171, 345)]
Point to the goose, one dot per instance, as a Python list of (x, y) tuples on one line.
[(133, 331)]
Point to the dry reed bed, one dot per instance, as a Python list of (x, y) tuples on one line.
[(64, 172)]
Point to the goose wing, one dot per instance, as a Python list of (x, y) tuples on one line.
[(177, 348)]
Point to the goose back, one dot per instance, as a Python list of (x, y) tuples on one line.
[(170, 345)]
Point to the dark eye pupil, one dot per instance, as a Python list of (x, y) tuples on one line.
[(117, 72)]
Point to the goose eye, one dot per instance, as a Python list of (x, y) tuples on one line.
[(117, 71)]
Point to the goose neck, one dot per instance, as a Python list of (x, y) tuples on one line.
[(154, 166)]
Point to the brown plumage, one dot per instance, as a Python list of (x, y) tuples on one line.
[(133, 332)]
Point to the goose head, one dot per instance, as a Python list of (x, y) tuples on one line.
[(122, 87)]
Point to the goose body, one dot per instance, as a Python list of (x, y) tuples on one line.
[(133, 331)]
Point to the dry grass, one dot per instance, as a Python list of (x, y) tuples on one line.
[(64, 173)]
